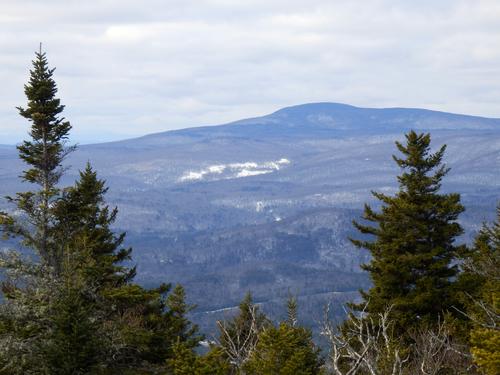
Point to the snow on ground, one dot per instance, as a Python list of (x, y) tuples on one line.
[(233, 170)]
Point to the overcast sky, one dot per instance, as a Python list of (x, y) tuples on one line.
[(127, 68)]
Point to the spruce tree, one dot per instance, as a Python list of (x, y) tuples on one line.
[(85, 313), (186, 362), (482, 272), (239, 335), (73, 322), (412, 241), (44, 154), (89, 317), (284, 350), (30, 288), (74, 309), (137, 327), (181, 328), (287, 349), (83, 229), (77, 341)]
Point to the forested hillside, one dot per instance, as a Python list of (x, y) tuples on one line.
[(266, 204), (262, 205)]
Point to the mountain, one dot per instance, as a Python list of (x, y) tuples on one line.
[(265, 204)]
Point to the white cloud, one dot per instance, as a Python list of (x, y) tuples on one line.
[(127, 68)]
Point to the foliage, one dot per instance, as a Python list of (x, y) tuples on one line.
[(32, 289), (72, 308), (369, 345), (284, 350), (240, 335), (413, 240), (482, 269), (186, 362), (83, 229), (44, 154)]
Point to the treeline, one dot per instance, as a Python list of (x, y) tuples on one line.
[(70, 304)]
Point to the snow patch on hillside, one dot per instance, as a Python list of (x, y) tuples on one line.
[(233, 170)]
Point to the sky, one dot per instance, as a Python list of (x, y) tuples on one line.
[(126, 68)]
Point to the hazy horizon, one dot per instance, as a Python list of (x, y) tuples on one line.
[(249, 117)]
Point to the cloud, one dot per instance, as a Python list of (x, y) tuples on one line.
[(126, 68)]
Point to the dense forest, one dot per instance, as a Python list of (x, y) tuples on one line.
[(70, 304)]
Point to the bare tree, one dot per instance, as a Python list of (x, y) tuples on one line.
[(435, 349), (238, 341), (367, 346)]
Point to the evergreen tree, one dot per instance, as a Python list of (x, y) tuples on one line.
[(24, 323), (30, 288), (138, 327), (181, 328), (482, 271), (412, 243), (239, 336), (95, 292), (287, 349), (76, 341), (284, 350), (74, 309), (82, 229), (44, 154), (186, 362)]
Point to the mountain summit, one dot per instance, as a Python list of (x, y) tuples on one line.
[(326, 119)]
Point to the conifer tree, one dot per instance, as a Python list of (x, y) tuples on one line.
[(287, 349), (82, 229), (186, 362), (181, 328), (30, 288), (74, 309), (239, 336), (44, 154), (412, 241), (137, 327), (93, 283), (482, 271), (76, 341)]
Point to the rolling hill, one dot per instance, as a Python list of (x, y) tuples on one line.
[(265, 204)]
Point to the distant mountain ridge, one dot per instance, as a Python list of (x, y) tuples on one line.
[(265, 204), (333, 116), (320, 117)]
